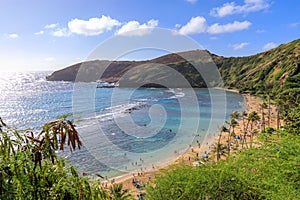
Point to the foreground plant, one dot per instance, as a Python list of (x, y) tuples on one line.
[(30, 168)]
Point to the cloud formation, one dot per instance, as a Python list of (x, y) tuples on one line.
[(231, 8), (199, 25), (62, 32), (134, 28), (12, 35), (195, 25), (239, 46), (228, 28), (50, 26), (39, 33), (93, 26), (269, 46)]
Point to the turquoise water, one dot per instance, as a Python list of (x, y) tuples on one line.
[(122, 129)]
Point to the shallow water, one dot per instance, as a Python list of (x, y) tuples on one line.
[(122, 129)]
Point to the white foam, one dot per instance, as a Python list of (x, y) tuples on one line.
[(114, 111), (177, 95)]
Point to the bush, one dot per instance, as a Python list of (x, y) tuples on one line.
[(30, 168), (269, 172)]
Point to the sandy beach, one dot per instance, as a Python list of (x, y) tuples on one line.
[(197, 152)]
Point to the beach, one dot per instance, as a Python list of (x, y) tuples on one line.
[(198, 151)]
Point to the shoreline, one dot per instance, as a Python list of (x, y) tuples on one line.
[(185, 158), (250, 103)]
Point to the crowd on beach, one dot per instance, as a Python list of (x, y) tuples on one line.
[(201, 152)]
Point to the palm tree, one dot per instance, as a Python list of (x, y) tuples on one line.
[(54, 136), (219, 145), (244, 116), (279, 104), (234, 116), (118, 193), (232, 124), (252, 117), (31, 150), (263, 121), (219, 148), (269, 110)]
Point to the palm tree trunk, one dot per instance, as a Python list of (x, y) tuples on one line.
[(251, 136), (269, 111), (228, 141), (218, 150), (278, 119), (263, 119)]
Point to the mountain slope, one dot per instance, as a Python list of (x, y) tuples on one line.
[(276, 68), (271, 69)]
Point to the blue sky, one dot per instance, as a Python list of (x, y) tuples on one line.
[(48, 35)]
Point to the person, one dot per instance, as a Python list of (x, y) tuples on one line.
[(140, 196)]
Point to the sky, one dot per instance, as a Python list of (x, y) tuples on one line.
[(52, 34)]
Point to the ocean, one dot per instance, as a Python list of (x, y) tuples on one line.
[(122, 129)]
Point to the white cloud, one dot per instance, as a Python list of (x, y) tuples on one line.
[(93, 26), (39, 33), (177, 25), (269, 45), (50, 59), (198, 25), (50, 26), (135, 28), (239, 46), (191, 1), (195, 25), (63, 32), (12, 36), (228, 28), (231, 8)]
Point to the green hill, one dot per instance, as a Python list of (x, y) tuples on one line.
[(273, 70), (277, 68)]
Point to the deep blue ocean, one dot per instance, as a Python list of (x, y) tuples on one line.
[(122, 129)]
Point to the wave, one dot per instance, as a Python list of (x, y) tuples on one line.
[(146, 99), (177, 95), (113, 112)]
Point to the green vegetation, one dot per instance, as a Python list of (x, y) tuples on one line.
[(274, 71), (269, 172), (30, 168)]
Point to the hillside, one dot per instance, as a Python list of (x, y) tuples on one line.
[(276, 68)]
